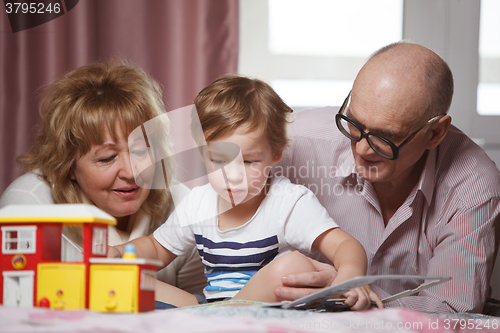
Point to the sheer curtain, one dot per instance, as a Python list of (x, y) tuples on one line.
[(184, 44)]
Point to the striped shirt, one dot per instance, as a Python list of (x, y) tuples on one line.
[(289, 218), (229, 265), (446, 226)]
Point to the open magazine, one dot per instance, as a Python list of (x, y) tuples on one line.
[(331, 296)]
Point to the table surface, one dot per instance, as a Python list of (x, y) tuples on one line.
[(232, 319)]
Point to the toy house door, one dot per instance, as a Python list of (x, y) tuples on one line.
[(18, 289)]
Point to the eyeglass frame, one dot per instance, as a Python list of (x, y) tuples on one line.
[(395, 149)]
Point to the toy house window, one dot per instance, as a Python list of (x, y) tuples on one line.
[(71, 243), (99, 244), (19, 239), (148, 279)]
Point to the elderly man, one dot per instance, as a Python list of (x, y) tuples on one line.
[(392, 171)]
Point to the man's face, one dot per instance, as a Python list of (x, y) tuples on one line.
[(393, 117)]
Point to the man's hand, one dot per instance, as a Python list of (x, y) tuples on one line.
[(113, 252), (302, 284)]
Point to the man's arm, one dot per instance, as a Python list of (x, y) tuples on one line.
[(303, 284), (466, 252)]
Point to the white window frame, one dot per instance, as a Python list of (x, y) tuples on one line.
[(448, 27), (451, 29), (31, 239)]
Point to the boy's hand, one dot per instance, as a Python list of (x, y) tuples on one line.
[(113, 252), (361, 298)]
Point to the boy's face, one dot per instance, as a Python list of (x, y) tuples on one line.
[(246, 170)]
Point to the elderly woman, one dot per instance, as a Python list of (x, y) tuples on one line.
[(81, 155)]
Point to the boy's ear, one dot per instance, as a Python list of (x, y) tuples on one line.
[(277, 156), (439, 132)]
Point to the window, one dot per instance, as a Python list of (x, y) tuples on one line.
[(310, 51), (19, 239), (71, 245), (488, 88), (99, 245), (333, 28), (448, 27), (148, 279)]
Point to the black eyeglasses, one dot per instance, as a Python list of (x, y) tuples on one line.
[(379, 144)]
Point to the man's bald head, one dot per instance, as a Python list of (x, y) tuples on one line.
[(412, 74)]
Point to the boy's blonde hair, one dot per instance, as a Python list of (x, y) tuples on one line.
[(77, 110), (233, 101)]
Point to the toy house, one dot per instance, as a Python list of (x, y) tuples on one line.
[(40, 265)]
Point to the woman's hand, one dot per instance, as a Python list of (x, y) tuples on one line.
[(361, 298), (302, 284)]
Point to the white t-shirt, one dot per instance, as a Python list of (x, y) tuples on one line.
[(289, 218)]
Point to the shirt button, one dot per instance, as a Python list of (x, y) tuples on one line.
[(378, 254)]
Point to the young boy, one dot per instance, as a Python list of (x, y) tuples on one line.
[(247, 223)]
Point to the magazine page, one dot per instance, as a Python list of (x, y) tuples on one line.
[(331, 298)]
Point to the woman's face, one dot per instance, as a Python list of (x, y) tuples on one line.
[(105, 176)]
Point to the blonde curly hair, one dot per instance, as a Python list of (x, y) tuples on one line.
[(76, 111)]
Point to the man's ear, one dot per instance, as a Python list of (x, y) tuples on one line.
[(438, 132), (277, 155)]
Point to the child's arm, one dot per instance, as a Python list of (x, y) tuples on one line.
[(349, 258), (145, 247)]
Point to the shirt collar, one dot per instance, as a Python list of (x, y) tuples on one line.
[(348, 167), (425, 183)]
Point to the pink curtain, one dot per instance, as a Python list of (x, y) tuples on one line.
[(184, 44)]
